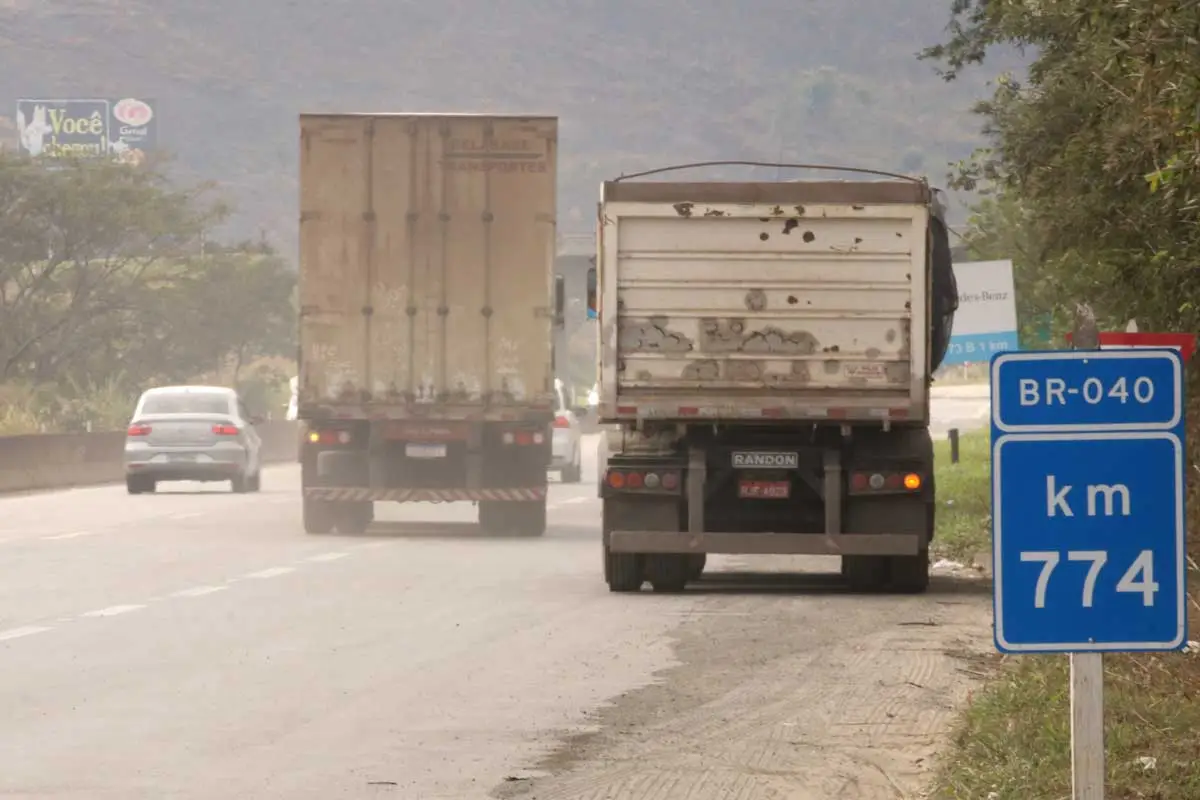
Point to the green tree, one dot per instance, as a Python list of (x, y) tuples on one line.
[(104, 290), (1100, 145)]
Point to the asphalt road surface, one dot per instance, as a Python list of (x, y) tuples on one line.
[(197, 644)]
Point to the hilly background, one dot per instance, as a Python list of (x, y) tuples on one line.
[(636, 85)]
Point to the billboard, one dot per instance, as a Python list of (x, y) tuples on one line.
[(986, 321), (125, 129)]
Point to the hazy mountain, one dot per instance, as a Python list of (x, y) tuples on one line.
[(636, 85)]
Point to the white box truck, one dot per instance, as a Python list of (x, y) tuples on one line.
[(765, 360), (427, 303)]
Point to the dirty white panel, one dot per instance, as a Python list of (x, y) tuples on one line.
[(446, 248), (334, 164), (743, 308)]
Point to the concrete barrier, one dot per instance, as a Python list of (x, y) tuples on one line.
[(64, 460)]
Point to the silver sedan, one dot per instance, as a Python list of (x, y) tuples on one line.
[(192, 433)]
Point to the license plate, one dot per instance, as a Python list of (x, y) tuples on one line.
[(425, 450), (764, 490)]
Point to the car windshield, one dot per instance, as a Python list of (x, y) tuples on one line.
[(186, 403)]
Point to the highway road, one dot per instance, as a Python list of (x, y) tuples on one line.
[(197, 644)]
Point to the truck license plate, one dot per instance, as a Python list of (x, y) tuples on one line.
[(764, 490), (425, 450)]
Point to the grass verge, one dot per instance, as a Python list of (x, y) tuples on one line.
[(963, 498), (1014, 740)]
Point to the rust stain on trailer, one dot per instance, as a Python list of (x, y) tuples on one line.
[(731, 336), (651, 336)]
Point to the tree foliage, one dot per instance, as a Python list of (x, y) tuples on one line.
[(1099, 147), (107, 287)]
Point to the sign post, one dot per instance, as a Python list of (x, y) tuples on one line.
[(1088, 518)]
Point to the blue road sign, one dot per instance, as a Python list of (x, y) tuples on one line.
[(1088, 501), (1110, 390)]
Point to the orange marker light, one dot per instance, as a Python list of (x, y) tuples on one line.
[(912, 481)]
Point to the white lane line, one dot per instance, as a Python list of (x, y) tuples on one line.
[(111, 611), (327, 557), (17, 633), (273, 572), (72, 535), (199, 591), (574, 500)]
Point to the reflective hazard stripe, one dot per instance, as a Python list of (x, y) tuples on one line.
[(358, 494), (771, 412)]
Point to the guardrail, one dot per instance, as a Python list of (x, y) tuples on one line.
[(64, 460)]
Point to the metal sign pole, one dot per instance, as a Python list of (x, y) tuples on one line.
[(1087, 669)]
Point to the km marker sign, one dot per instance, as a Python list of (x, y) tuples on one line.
[(1087, 501)]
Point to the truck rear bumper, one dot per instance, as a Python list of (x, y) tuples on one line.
[(798, 544), (354, 494)]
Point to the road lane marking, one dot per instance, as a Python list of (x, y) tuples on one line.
[(273, 572), (574, 500), (187, 516), (327, 557), (111, 611), (17, 633), (199, 591), (73, 535)]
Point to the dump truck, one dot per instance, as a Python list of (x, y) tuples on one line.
[(765, 355), (428, 301)]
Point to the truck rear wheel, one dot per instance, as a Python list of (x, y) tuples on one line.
[(668, 572), (318, 516), (624, 572), (865, 573), (696, 564), (353, 519), (529, 518), (909, 574)]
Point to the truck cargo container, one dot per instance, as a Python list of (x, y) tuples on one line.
[(427, 305), (766, 352)]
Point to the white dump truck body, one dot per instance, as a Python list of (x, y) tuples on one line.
[(764, 301), (427, 245)]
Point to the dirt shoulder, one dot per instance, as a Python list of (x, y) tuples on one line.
[(786, 686)]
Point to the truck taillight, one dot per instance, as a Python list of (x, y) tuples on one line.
[(643, 480), (885, 482), (330, 437)]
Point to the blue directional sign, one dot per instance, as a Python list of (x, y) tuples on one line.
[(1088, 501)]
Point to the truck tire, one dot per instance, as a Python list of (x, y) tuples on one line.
[(909, 574), (668, 573), (492, 516), (624, 572), (528, 518), (865, 573), (696, 564), (318, 516), (353, 519)]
